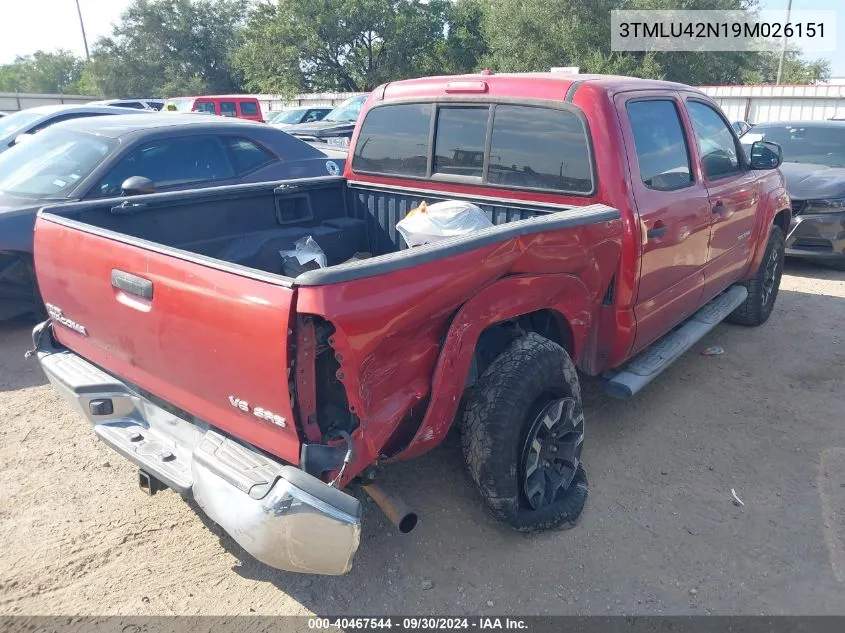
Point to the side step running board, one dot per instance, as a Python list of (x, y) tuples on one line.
[(648, 364)]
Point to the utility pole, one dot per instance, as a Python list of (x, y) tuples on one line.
[(85, 39), (783, 48)]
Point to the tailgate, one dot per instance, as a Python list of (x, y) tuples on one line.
[(212, 342)]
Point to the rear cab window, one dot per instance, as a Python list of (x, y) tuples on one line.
[(501, 145)]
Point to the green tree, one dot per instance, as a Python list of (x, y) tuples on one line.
[(56, 72), (532, 35), (345, 45), (169, 48)]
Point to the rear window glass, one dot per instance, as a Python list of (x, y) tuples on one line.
[(539, 148), (530, 147), (394, 140), (459, 141), (249, 108), (227, 108)]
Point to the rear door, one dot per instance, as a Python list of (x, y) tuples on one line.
[(673, 210), (209, 341), (733, 190)]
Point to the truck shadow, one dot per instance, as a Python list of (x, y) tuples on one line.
[(811, 270), (659, 511), (17, 372)]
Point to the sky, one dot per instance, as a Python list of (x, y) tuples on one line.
[(31, 25)]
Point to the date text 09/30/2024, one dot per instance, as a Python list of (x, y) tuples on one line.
[(418, 623)]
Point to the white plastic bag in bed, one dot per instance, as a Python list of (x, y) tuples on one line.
[(430, 223), (306, 250)]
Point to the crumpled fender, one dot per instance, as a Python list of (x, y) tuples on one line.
[(565, 294)]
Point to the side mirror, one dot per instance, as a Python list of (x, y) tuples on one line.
[(22, 138), (136, 186), (766, 155)]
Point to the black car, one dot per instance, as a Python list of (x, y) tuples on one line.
[(337, 126), (814, 170), (104, 157)]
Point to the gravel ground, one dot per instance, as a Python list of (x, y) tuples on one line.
[(660, 533)]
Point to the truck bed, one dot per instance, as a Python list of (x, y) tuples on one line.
[(246, 226)]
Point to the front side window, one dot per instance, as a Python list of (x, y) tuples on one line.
[(719, 155), (171, 163), (459, 141), (539, 148), (662, 153), (227, 108), (248, 108), (394, 140)]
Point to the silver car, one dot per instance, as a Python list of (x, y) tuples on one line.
[(17, 127)]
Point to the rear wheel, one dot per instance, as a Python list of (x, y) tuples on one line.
[(523, 430), (764, 285), (18, 290)]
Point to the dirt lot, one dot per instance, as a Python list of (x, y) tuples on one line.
[(659, 535)]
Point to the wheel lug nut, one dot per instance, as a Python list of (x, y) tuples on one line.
[(545, 464), (554, 449)]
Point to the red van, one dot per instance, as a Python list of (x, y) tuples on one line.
[(221, 105)]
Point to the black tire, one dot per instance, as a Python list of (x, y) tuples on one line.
[(764, 285), (18, 290), (510, 400)]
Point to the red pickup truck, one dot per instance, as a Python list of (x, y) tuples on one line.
[(626, 222)]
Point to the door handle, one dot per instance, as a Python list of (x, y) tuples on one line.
[(128, 208), (719, 208), (657, 231), (132, 284)]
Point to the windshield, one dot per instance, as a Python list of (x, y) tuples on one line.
[(287, 116), (819, 145), (14, 122), (51, 163), (348, 110)]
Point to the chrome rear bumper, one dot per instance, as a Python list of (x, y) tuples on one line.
[(281, 515)]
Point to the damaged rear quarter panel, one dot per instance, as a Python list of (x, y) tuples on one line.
[(391, 327)]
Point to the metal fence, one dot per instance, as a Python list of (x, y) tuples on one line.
[(271, 103), (14, 101), (760, 104)]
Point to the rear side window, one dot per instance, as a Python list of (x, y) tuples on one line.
[(539, 148), (245, 155), (204, 106), (248, 108), (459, 141), (529, 147), (394, 140), (662, 152), (227, 108)]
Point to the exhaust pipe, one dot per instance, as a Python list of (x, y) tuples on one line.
[(393, 507)]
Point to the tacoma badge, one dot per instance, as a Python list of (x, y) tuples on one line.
[(258, 412), (58, 316)]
